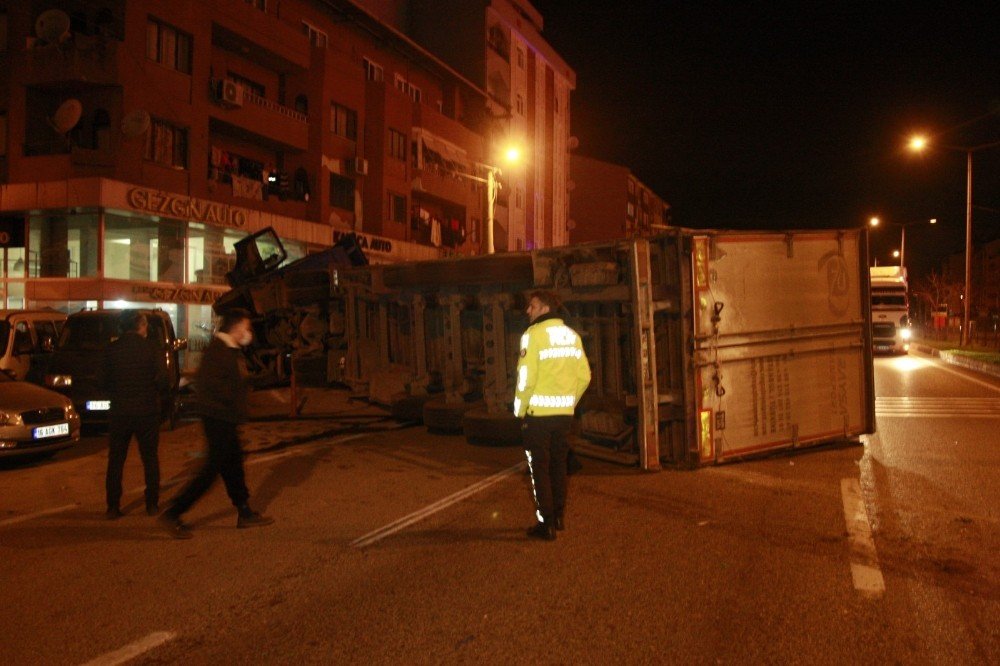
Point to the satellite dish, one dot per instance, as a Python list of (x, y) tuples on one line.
[(52, 25), (67, 115), (136, 123)]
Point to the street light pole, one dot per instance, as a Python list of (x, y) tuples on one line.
[(491, 199), (967, 301)]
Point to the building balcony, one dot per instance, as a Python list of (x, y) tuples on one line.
[(259, 36), (82, 59), (270, 122)]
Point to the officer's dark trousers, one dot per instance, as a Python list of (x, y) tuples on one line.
[(546, 447), (147, 431), (225, 458)]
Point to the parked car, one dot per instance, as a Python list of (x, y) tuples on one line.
[(34, 420), (27, 338), (75, 363)]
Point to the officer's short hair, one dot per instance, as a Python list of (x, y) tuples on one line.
[(230, 318), (547, 298), (130, 320)]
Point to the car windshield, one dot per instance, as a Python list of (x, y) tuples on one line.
[(88, 333)]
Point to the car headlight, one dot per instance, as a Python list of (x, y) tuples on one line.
[(58, 381), (10, 419), (906, 334)]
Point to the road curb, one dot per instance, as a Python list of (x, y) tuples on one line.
[(951, 358)]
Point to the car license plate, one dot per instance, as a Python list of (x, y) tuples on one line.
[(51, 431), (98, 405)]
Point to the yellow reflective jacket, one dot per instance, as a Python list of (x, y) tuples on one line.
[(552, 371)]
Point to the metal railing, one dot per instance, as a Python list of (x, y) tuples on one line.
[(270, 105)]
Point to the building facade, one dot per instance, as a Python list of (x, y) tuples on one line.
[(140, 139), (498, 45), (609, 202)]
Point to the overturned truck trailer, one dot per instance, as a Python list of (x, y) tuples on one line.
[(705, 346)]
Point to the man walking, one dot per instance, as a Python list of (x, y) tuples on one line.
[(134, 375), (222, 391), (552, 374)]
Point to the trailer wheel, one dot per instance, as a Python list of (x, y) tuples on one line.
[(444, 418), (482, 428), (405, 407)]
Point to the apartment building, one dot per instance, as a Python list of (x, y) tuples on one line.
[(140, 139), (498, 45), (609, 202)]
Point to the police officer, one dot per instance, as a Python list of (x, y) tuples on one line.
[(552, 374), (135, 377)]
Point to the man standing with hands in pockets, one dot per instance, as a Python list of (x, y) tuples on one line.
[(552, 374)]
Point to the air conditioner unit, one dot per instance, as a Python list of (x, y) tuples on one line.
[(359, 166), (231, 93)]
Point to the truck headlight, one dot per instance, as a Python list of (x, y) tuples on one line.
[(58, 381), (906, 334)]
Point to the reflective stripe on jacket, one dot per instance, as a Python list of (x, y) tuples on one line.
[(552, 371)]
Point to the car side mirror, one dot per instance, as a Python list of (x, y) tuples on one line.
[(180, 344)]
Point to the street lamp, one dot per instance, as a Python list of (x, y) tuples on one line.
[(901, 252), (918, 144)]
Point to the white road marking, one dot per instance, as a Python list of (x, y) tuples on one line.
[(943, 366), (431, 509), (133, 650), (38, 514), (864, 559), (928, 407)]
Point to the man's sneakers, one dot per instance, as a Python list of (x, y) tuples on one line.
[(173, 526), (543, 531), (250, 518)]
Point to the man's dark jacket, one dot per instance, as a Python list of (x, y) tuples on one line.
[(222, 384), (134, 376)]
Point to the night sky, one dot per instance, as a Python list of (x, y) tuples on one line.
[(762, 115)]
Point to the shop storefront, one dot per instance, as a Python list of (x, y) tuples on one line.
[(93, 243)]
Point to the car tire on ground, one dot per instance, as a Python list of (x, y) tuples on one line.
[(483, 428)]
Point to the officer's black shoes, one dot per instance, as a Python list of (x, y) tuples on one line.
[(113, 513), (173, 526), (250, 518), (559, 524), (543, 531)]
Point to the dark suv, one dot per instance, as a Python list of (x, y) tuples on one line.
[(80, 352)]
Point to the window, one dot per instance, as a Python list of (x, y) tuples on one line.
[(168, 46), (397, 208), (630, 210), (341, 192), (408, 89), (167, 144), (555, 100), (316, 36), (248, 84), (520, 57), (373, 71), (631, 186), (397, 144), (520, 104), (343, 121), (63, 245), (139, 249)]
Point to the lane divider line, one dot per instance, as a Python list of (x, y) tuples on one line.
[(38, 514), (429, 510), (133, 650), (865, 571)]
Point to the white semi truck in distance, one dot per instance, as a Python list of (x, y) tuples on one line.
[(891, 331)]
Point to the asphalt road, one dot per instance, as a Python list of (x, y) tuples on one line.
[(399, 546)]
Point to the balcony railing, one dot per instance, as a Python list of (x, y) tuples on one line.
[(263, 102)]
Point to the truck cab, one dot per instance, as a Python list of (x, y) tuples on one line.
[(891, 331)]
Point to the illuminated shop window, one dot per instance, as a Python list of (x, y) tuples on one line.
[(63, 245)]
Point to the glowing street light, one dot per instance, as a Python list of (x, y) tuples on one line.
[(895, 254), (919, 143)]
